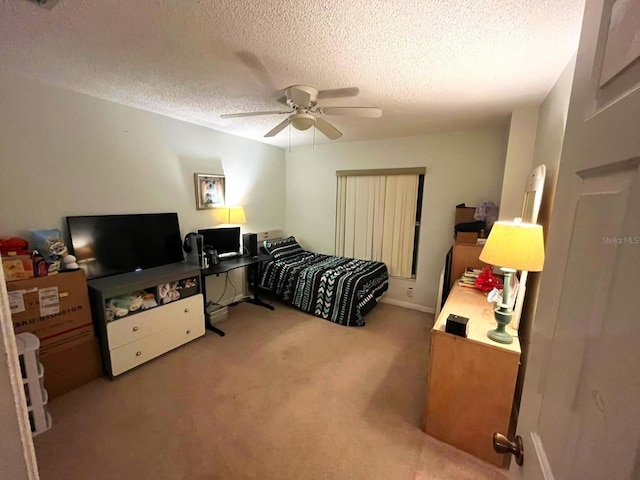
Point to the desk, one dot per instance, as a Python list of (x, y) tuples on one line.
[(229, 264), (471, 381)]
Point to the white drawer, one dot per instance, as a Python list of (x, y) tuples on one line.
[(151, 346), (140, 325)]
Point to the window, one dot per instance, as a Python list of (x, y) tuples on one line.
[(378, 217)]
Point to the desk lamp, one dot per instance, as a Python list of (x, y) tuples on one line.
[(512, 246)]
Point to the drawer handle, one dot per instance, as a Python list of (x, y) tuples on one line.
[(135, 329), (186, 310), (188, 332), (138, 354)]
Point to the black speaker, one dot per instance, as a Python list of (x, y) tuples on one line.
[(457, 325), (250, 243)]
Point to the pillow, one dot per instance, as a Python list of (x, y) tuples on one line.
[(287, 247)]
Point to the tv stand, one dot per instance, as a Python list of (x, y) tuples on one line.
[(144, 334)]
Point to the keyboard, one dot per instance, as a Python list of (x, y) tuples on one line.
[(227, 256)]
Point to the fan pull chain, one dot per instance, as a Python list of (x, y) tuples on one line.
[(314, 133), (290, 127)]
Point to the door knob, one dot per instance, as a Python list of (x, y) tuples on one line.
[(502, 444)]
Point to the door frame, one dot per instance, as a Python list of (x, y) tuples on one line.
[(21, 453)]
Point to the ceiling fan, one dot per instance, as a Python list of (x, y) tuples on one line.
[(304, 111)]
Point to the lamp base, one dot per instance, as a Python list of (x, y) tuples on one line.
[(503, 312), (499, 335)]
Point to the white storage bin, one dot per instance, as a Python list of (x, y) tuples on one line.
[(33, 379), (217, 313)]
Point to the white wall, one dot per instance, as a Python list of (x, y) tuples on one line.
[(65, 153), (522, 137), (552, 120), (461, 167)]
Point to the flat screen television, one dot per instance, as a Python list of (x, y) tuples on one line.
[(111, 244), (225, 240)]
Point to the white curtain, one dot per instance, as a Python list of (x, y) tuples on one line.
[(375, 219)]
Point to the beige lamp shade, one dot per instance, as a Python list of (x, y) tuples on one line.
[(236, 216), (515, 245)]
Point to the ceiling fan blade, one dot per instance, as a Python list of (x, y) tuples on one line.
[(278, 128), (329, 130), (364, 112), (339, 92), (299, 97), (254, 114)]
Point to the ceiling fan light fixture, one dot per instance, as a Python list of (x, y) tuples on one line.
[(306, 113), (302, 121)]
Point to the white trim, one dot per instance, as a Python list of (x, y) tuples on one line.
[(9, 351), (238, 298), (382, 171), (410, 306), (541, 455)]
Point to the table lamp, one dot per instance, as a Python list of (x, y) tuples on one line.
[(512, 246), (236, 216)]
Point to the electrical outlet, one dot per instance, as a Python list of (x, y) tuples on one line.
[(410, 292)]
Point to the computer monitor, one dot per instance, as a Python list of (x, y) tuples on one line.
[(225, 240)]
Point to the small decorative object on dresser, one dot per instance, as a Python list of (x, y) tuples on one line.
[(486, 281), (457, 325)]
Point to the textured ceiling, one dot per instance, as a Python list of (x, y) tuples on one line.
[(432, 65)]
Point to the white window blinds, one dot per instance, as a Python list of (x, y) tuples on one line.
[(375, 219)]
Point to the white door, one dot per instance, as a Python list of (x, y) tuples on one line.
[(580, 416)]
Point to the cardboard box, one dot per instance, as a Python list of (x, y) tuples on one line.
[(54, 308), (71, 368), (464, 214), (17, 267), (467, 237)]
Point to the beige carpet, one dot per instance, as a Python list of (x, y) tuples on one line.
[(283, 396)]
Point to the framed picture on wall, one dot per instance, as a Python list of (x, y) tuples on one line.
[(209, 190)]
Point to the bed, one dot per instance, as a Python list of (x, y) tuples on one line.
[(341, 290)]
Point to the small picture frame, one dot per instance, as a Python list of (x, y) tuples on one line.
[(209, 190)]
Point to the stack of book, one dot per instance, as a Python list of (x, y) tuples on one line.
[(468, 278)]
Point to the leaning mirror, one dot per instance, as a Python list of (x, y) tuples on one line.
[(530, 208)]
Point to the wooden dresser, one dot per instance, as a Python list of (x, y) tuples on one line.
[(471, 381)]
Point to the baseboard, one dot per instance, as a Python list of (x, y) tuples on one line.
[(410, 306), (238, 298)]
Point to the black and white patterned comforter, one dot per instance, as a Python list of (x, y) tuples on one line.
[(342, 290)]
